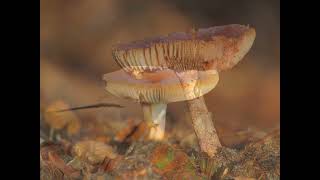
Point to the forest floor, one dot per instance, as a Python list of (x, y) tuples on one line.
[(71, 150)]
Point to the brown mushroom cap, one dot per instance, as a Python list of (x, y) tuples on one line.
[(218, 48), (161, 87)]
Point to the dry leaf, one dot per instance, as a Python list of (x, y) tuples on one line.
[(56, 120), (50, 172), (243, 178), (132, 132), (59, 120), (52, 162), (76, 163), (187, 175), (93, 152), (60, 164), (123, 133), (103, 139), (134, 174), (109, 165), (142, 129), (73, 127)]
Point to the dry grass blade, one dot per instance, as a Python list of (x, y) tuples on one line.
[(99, 105)]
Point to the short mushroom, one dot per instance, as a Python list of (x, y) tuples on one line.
[(155, 90), (216, 48)]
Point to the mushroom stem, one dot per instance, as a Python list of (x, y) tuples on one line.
[(203, 126), (201, 117), (155, 116)]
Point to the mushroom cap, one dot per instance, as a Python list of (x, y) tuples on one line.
[(161, 87), (219, 48)]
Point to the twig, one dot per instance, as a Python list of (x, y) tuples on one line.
[(99, 105)]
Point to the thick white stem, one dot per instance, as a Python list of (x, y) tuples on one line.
[(155, 116)]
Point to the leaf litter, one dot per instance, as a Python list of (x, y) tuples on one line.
[(127, 154)]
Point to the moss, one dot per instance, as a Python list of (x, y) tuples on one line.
[(190, 166), (166, 160)]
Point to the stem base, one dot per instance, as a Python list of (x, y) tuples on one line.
[(155, 116)]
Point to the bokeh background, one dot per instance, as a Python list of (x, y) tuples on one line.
[(76, 38)]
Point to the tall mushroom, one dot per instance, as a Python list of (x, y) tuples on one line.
[(155, 90), (216, 48)]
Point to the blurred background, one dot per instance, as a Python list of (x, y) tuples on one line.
[(76, 38)]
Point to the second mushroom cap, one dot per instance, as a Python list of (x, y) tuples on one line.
[(161, 87)]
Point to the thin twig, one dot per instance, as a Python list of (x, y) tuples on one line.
[(99, 105)]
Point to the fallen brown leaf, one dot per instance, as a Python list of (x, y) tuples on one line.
[(56, 120), (136, 174), (51, 160), (243, 178), (93, 152), (103, 139), (59, 120), (109, 165), (73, 127), (132, 132), (123, 133)]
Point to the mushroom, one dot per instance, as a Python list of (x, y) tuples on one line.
[(219, 47), (216, 48), (155, 90)]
